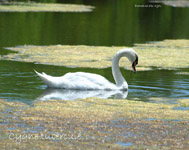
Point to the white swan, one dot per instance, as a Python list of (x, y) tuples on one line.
[(90, 81)]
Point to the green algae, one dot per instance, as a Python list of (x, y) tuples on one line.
[(94, 123), (183, 73), (43, 7), (168, 54), (184, 102), (66, 55)]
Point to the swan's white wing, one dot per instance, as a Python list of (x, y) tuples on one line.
[(78, 80), (88, 81)]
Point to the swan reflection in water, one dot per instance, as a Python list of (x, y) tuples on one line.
[(65, 94)]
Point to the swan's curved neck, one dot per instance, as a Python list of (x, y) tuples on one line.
[(118, 77)]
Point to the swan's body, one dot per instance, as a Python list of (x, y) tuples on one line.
[(78, 80), (90, 81)]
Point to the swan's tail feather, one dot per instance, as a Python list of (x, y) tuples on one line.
[(44, 73), (45, 78)]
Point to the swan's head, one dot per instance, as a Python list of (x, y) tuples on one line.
[(132, 56)]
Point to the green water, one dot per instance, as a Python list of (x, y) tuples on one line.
[(19, 82), (113, 22)]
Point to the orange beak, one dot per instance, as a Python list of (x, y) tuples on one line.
[(134, 66)]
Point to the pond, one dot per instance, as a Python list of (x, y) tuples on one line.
[(112, 23), (152, 114)]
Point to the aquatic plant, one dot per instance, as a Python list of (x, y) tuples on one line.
[(93, 123), (43, 7), (168, 54)]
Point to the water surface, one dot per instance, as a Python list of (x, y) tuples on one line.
[(18, 82), (111, 23)]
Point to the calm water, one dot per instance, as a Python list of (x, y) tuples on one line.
[(113, 22), (19, 82)]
